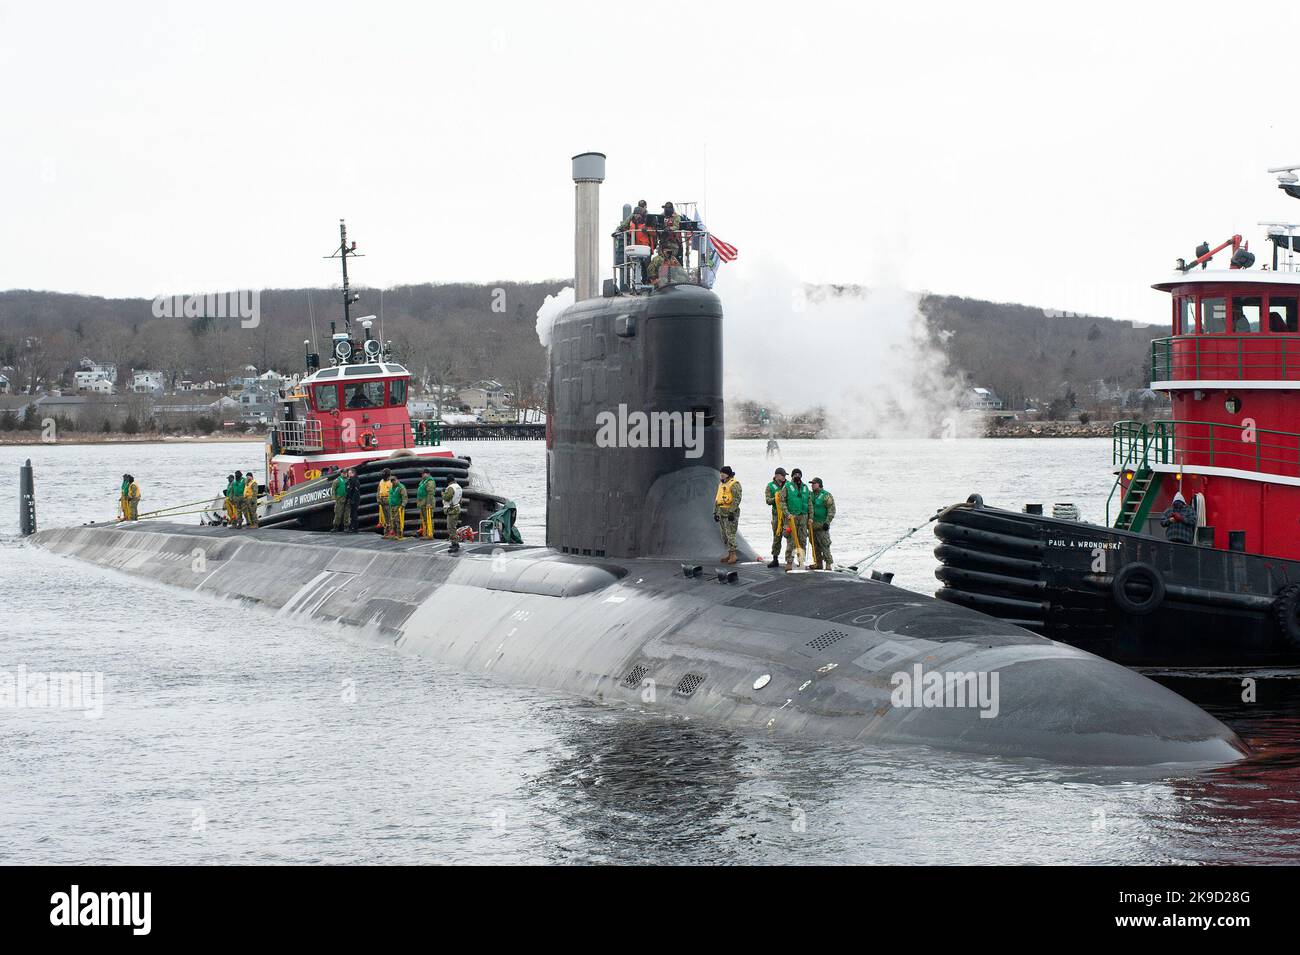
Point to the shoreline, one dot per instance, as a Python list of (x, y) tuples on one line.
[(1022, 429), (19, 439)]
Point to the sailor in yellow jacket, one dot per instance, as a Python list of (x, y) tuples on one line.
[(250, 499), (726, 511), (381, 498), (130, 499)]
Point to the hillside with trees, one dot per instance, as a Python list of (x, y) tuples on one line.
[(453, 334), (1028, 355), (446, 334)]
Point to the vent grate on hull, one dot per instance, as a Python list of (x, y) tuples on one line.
[(827, 639), (689, 684), (634, 676)]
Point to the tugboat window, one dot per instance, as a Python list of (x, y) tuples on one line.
[(364, 394), (1232, 405), (327, 397), (1282, 313), (1245, 313), (1188, 326), (397, 393), (1214, 312)]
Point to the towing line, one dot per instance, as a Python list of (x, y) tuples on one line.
[(859, 567)]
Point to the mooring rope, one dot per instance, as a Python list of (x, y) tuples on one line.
[(859, 567), (177, 510)]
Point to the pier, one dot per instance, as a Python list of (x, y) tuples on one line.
[(533, 431)]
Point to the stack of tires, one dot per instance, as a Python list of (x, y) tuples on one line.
[(475, 505)]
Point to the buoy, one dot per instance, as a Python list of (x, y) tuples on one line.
[(26, 500)]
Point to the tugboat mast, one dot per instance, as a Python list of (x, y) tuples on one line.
[(350, 298)]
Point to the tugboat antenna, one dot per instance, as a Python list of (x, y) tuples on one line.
[(350, 298)]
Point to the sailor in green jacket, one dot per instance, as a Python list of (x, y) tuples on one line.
[(823, 512), (237, 498), (424, 499), (769, 494), (796, 506), (451, 495), (340, 489), (396, 509)]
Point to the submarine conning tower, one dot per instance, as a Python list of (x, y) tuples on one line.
[(635, 412)]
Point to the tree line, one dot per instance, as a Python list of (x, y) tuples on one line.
[(452, 335), (447, 335)]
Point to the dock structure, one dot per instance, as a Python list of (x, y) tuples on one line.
[(532, 431)]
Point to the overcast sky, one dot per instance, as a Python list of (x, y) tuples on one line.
[(1055, 155)]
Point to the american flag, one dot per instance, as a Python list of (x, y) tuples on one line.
[(726, 252)]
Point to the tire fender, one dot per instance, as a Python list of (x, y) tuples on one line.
[(1127, 575), (1286, 614)]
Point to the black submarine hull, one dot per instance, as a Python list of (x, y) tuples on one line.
[(815, 655), (1129, 597)]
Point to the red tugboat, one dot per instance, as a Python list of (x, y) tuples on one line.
[(1230, 596), (353, 414)]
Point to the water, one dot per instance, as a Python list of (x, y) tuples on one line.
[(230, 735)]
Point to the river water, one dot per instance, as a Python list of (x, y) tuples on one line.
[(229, 735)]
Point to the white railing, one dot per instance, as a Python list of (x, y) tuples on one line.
[(300, 435)]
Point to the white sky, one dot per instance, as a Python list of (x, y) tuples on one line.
[(1042, 153)]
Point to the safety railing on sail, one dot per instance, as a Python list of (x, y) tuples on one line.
[(299, 435), (1192, 444), (635, 246), (1240, 357)]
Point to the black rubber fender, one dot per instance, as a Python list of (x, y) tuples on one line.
[(1127, 575), (975, 500), (1286, 614)]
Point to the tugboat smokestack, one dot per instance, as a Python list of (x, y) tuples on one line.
[(588, 174)]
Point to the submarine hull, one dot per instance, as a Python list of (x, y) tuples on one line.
[(816, 655)]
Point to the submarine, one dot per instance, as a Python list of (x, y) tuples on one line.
[(626, 602)]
